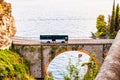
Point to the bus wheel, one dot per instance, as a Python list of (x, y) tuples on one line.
[(63, 42), (48, 41)]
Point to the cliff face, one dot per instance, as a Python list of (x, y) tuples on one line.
[(7, 25)]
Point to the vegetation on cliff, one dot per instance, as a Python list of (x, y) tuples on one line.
[(108, 29), (101, 26), (13, 66)]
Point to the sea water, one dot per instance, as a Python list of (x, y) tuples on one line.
[(76, 18), (59, 66)]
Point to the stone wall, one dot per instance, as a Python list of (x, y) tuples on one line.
[(33, 55), (40, 56)]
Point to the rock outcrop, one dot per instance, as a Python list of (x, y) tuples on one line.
[(7, 25), (110, 69)]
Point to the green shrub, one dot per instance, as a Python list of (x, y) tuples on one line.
[(73, 71), (93, 69), (32, 49), (13, 66), (48, 76)]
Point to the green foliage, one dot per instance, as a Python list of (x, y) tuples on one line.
[(13, 66), (101, 26), (56, 49), (75, 47), (93, 35), (48, 76), (32, 49), (113, 25), (112, 21), (111, 35), (25, 48), (93, 69), (100, 34), (117, 26), (52, 52), (73, 71)]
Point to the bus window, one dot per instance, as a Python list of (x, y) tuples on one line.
[(62, 38)]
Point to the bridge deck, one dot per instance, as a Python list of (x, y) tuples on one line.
[(23, 41)]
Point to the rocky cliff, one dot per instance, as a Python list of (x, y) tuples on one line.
[(7, 25)]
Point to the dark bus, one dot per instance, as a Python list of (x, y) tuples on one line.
[(53, 38)]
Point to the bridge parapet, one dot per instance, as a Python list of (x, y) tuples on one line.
[(31, 42)]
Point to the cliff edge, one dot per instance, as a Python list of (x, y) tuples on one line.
[(7, 25)]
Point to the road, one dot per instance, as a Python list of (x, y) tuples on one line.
[(33, 42)]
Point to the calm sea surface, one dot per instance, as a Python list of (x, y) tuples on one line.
[(77, 18), (60, 65)]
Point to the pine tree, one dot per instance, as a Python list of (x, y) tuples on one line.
[(112, 22), (117, 18)]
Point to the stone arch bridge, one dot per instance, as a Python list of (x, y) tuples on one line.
[(39, 54)]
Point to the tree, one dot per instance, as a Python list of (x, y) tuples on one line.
[(115, 21), (113, 25), (117, 18), (112, 22), (101, 26)]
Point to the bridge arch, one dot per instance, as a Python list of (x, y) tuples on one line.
[(80, 51)]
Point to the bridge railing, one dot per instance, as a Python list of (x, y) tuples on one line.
[(110, 69)]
